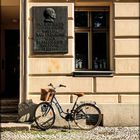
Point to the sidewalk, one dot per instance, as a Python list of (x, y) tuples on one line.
[(99, 133)]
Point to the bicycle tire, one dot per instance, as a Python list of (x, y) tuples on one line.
[(44, 116), (87, 116)]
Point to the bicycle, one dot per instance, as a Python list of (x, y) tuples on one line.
[(86, 115)]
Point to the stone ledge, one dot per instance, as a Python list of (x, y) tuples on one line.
[(15, 126)]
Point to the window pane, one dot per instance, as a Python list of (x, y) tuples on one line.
[(100, 19), (100, 48), (81, 50), (81, 19)]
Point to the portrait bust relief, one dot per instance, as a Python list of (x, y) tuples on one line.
[(49, 15), (50, 29)]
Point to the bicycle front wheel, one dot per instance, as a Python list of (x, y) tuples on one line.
[(44, 116), (87, 116)]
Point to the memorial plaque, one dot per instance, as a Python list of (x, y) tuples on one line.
[(50, 29)]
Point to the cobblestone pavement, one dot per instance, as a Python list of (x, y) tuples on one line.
[(99, 133)]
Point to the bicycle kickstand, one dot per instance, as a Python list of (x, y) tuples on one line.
[(69, 125)]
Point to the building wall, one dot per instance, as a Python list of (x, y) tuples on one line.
[(126, 47), (116, 95)]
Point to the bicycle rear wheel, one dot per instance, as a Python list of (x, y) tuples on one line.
[(44, 116), (87, 116)]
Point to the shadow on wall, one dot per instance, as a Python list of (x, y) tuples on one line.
[(26, 111)]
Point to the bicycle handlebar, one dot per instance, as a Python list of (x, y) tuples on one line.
[(50, 85), (55, 87)]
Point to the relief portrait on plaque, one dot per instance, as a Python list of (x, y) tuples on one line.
[(49, 15), (50, 29)]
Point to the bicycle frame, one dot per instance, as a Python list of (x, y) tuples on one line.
[(89, 113), (59, 108)]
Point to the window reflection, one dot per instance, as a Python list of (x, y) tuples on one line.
[(81, 19), (99, 19), (81, 41), (92, 40), (99, 51)]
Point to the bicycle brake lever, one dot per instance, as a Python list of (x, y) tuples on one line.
[(50, 84)]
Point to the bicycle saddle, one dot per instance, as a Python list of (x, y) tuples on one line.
[(79, 94)]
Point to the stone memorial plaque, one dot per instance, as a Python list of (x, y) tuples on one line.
[(50, 29)]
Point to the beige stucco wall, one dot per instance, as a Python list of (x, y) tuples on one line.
[(73, 84), (118, 84), (57, 64), (127, 27), (51, 65), (119, 91), (127, 9), (130, 65), (126, 49), (127, 46)]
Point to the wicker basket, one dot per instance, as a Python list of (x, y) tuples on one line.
[(46, 95)]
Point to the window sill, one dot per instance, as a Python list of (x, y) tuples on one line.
[(92, 73)]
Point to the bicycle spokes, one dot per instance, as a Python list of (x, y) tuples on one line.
[(87, 116), (44, 116)]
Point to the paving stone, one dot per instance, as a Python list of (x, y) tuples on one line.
[(99, 133)]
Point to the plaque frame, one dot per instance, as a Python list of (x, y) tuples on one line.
[(50, 30)]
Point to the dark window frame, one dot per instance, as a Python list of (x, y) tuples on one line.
[(89, 30)]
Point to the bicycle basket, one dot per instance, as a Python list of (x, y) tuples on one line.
[(46, 95)]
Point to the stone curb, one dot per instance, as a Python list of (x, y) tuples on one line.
[(15, 126)]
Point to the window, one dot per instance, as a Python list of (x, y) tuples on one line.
[(92, 39)]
